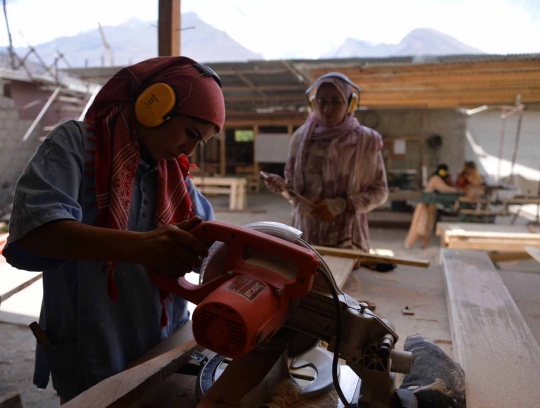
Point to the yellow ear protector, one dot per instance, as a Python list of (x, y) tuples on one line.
[(154, 105), (442, 172), (354, 99)]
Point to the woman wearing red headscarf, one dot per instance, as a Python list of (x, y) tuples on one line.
[(336, 163), (101, 203)]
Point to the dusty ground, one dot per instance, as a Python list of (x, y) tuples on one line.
[(422, 290)]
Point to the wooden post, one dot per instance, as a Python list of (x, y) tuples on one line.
[(169, 28), (222, 155), (422, 144), (255, 163), (290, 129)]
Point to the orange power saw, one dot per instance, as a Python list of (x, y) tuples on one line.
[(263, 277)]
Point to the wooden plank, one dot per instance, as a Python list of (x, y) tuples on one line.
[(508, 256), (13, 280), (177, 339), (521, 201), (463, 228), (364, 257), (474, 226), (490, 338), (493, 235), (215, 190), (126, 388), (501, 213), (533, 252), (218, 181), (486, 244), (341, 268)]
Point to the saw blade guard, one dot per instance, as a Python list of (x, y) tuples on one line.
[(246, 246)]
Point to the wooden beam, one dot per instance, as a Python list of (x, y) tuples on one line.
[(262, 71), (263, 121), (295, 97), (180, 337), (364, 257), (251, 85), (475, 78), (506, 235), (466, 67), (169, 21), (128, 387), (508, 256), (278, 87), (490, 337), (486, 244)]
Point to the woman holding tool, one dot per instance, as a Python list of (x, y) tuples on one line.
[(336, 164), (104, 201)]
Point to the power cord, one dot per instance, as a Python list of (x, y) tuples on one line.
[(339, 328)]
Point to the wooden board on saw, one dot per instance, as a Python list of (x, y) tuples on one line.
[(490, 337), (370, 258), (129, 386)]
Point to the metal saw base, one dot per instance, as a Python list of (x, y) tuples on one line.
[(312, 371)]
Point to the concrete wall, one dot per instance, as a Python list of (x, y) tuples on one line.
[(13, 154), (450, 124)]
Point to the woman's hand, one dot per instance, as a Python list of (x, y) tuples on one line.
[(329, 209), (171, 249), (276, 184)]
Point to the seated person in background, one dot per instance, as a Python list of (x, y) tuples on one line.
[(425, 215), (471, 181)]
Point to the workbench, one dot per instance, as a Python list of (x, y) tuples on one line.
[(235, 187), (487, 237)]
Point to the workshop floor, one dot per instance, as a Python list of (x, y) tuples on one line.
[(422, 290)]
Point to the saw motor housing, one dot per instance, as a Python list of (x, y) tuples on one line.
[(249, 302)]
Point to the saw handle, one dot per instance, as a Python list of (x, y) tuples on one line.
[(237, 239)]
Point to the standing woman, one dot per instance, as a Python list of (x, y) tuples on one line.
[(425, 215), (336, 163)]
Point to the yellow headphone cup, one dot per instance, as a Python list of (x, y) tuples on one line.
[(154, 104), (443, 173)]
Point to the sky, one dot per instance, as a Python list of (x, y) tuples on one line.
[(297, 28)]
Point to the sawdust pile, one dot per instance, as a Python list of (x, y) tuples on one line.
[(287, 394)]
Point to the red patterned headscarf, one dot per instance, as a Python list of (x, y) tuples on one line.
[(117, 150), (112, 118)]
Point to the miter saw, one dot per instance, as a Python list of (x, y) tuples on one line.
[(266, 295)]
